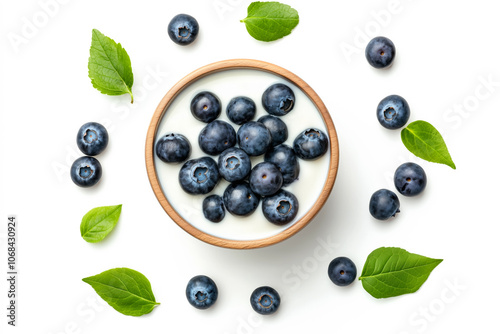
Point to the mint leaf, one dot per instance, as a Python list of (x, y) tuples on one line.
[(391, 271), (99, 222), (110, 69), (423, 140), (126, 290), (269, 21)]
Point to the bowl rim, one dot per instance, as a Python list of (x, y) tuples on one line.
[(234, 64)]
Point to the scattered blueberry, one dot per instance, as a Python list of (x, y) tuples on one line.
[(393, 112), (213, 208), (280, 209), (342, 271), (173, 148), (239, 199), (199, 176), (216, 137), (265, 179), (86, 171), (380, 52), (201, 292), (234, 164), (206, 107), (410, 179), (310, 144), (183, 29), (384, 204), (265, 300), (278, 128), (92, 138), (241, 109), (254, 138), (278, 99), (283, 156)]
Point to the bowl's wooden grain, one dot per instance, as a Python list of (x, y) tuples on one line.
[(230, 65)]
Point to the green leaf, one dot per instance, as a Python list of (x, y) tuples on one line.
[(269, 21), (423, 140), (126, 290), (110, 69), (392, 271), (99, 222)]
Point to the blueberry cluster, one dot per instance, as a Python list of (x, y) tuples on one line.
[(92, 139), (229, 152), (393, 113)]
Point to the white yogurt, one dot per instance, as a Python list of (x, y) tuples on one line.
[(226, 85)]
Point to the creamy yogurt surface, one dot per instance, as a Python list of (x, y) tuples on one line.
[(226, 85)]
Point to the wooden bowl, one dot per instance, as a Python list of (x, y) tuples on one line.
[(212, 69)]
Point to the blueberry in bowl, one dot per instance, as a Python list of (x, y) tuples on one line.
[(278, 99), (216, 137), (199, 176), (183, 29), (234, 164), (380, 52), (277, 128), (265, 179), (310, 144), (281, 208), (206, 107), (201, 292), (213, 208), (173, 148), (239, 199), (254, 138), (410, 179), (241, 109), (86, 171), (283, 156), (92, 138), (393, 112), (265, 300)]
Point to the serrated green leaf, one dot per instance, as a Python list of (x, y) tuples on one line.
[(269, 21), (99, 222), (126, 290), (110, 69), (425, 141), (392, 271)]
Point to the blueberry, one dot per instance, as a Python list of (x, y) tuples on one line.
[(380, 52), (199, 176), (173, 148), (234, 164), (213, 208), (280, 209), (241, 109), (183, 29), (278, 99), (239, 199), (277, 128), (216, 137), (92, 138), (310, 144), (283, 156), (86, 171), (384, 204), (265, 179), (206, 107), (393, 112), (265, 300), (410, 179), (254, 138), (201, 292), (342, 271)]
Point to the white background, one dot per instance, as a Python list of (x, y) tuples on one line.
[(447, 51)]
